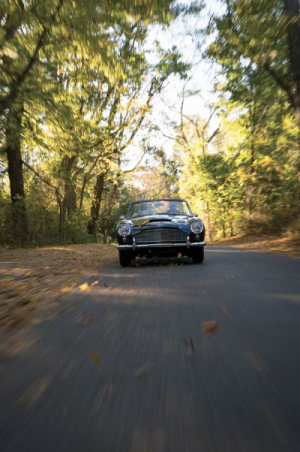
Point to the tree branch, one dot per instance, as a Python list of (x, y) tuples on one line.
[(42, 179), (20, 79)]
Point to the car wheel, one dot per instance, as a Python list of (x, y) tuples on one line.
[(198, 255), (124, 259)]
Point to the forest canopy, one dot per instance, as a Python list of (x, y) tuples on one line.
[(78, 87)]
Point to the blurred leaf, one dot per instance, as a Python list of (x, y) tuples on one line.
[(210, 327), (188, 347), (95, 357), (224, 309), (143, 370), (65, 289), (85, 286), (7, 279)]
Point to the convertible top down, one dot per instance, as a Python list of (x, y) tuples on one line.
[(160, 228)]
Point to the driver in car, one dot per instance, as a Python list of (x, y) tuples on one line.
[(173, 208)]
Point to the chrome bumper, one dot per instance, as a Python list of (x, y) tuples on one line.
[(161, 245)]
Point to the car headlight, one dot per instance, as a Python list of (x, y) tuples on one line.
[(197, 227), (124, 230)]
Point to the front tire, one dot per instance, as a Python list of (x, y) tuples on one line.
[(124, 259), (198, 255)]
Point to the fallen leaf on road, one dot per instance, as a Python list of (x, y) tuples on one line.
[(7, 279), (94, 283), (97, 271), (65, 289), (224, 309), (84, 319), (106, 286), (85, 286), (203, 286), (209, 327), (143, 370), (188, 347), (130, 291), (95, 357), (150, 318)]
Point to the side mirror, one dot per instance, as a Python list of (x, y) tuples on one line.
[(122, 217), (195, 215)]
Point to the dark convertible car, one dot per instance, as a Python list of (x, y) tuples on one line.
[(160, 228)]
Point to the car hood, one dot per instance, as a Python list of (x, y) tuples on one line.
[(158, 221)]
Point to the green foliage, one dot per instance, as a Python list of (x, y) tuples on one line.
[(76, 87)]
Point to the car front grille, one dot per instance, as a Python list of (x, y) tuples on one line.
[(161, 235)]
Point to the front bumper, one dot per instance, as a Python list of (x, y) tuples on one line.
[(135, 246)]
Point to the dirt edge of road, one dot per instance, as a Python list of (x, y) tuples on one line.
[(289, 246), (32, 281)]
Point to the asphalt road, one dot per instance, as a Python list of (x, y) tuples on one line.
[(237, 390)]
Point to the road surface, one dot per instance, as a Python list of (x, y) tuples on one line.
[(163, 385)]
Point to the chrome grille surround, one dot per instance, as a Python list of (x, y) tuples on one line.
[(161, 235)]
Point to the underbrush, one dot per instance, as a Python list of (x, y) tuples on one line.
[(43, 225)]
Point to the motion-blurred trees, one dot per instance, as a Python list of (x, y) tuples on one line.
[(75, 88), (247, 178)]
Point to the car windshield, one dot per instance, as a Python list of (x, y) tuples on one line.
[(159, 207)]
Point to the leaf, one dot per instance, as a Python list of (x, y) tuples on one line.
[(143, 370), (209, 327), (94, 283), (224, 309), (106, 286), (65, 289), (7, 279), (95, 357), (188, 347), (85, 286), (150, 318)]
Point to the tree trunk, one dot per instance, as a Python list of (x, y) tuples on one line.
[(82, 192), (61, 213), (224, 230), (111, 203), (66, 203), (15, 174), (95, 209), (72, 198), (292, 8)]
